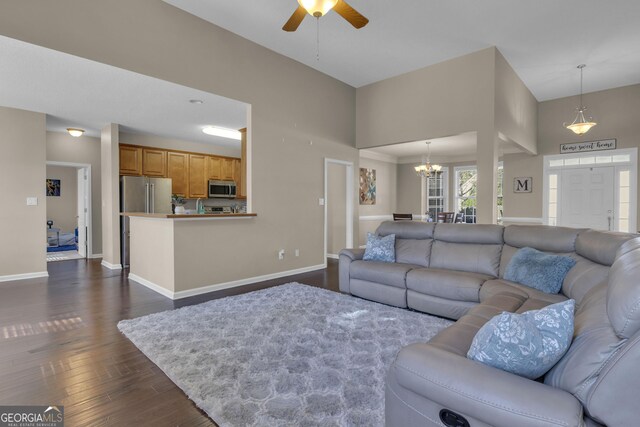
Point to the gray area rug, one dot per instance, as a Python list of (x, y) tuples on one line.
[(292, 355)]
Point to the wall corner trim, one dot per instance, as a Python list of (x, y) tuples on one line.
[(220, 286), (111, 266), (24, 276)]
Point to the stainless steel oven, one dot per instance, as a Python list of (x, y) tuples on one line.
[(222, 189)]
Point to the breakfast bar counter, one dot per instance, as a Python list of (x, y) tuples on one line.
[(189, 216)]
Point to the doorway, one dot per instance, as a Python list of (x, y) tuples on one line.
[(592, 190), (338, 206), (69, 228)]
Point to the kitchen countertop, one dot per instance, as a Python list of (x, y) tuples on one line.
[(188, 216)]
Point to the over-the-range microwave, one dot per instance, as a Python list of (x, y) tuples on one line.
[(222, 189)]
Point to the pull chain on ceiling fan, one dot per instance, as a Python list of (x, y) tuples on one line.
[(319, 8)]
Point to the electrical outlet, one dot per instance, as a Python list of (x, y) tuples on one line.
[(297, 252), (281, 254)]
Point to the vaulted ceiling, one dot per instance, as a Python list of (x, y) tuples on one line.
[(543, 40)]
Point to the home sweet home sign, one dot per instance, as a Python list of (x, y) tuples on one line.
[(580, 147)]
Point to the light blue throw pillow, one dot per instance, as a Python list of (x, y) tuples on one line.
[(527, 344), (380, 248), (538, 270)]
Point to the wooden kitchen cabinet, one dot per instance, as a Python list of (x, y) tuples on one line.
[(130, 160), (198, 180), (227, 169), (237, 177), (214, 167), (154, 162), (178, 171)]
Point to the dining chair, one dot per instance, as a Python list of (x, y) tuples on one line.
[(459, 218), (445, 217), (402, 217)]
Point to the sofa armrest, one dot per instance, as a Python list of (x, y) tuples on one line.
[(347, 256), (482, 392), (355, 254)]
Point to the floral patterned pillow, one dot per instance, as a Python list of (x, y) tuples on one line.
[(527, 344), (380, 248)]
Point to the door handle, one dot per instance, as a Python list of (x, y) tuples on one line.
[(153, 198), (609, 219), (146, 198)]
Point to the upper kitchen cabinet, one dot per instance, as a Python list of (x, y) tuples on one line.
[(214, 167), (154, 162), (130, 160), (198, 176), (178, 171), (228, 169)]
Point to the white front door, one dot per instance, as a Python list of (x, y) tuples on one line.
[(587, 198), (83, 205)]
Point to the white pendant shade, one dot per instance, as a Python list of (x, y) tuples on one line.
[(580, 125), (317, 8)]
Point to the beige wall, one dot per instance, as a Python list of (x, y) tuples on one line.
[(409, 191), (336, 208), (152, 255), (615, 110), (62, 147), (299, 116), (63, 210), (22, 175), (444, 99), (148, 140), (386, 197)]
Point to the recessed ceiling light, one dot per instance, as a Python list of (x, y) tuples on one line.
[(75, 132), (196, 101), (222, 132)]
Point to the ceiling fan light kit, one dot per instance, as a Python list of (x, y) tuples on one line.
[(580, 124), (319, 8)]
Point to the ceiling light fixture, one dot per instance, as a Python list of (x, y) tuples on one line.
[(317, 8), (222, 132), (75, 132), (425, 169), (580, 125)]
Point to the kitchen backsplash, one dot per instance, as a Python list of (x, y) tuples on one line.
[(191, 204)]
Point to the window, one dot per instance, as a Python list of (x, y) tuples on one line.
[(436, 192), (624, 200), (466, 187)]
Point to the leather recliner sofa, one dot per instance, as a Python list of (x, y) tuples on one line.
[(456, 271)]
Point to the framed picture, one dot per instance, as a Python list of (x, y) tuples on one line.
[(522, 184), (367, 186), (53, 187)]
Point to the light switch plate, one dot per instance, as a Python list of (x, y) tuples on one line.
[(321, 201), (32, 201)]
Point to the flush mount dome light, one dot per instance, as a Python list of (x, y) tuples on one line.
[(222, 132), (75, 132)]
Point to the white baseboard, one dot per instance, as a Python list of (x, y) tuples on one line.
[(159, 289), (220, 286), (23, 276), (111, 266), (333, 256), (95, 256)]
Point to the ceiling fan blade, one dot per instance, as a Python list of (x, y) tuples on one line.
[(294, 22), (350, 14)]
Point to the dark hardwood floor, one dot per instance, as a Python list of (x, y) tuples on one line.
[(59, 345)]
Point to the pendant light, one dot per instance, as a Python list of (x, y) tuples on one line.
[(425, 169), (580, 125)]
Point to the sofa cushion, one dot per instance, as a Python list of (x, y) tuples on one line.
[(583, 277), (474, 258), (380, 248), (623, 292), (464, 233), (538, 270), (490, 288), (406, 229), (391, 274), (542, 237), (526, 344), (450, 284), (600, 246), (438, 306), (413, 251)]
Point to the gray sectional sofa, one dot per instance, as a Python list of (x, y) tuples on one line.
[(456, 271)]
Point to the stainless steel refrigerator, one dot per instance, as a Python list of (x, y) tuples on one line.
[(141, 194)]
